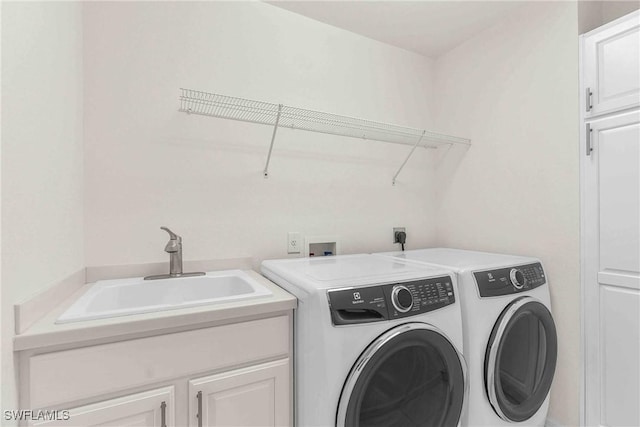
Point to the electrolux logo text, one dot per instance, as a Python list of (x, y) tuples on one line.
[(36, 415), (357, 299)]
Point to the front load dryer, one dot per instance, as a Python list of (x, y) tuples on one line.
[(377, 342), (510, 340)]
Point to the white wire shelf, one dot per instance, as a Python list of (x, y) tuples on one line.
[(283, 116)]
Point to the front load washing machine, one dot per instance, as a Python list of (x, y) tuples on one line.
[(510, 340), (377, 341)]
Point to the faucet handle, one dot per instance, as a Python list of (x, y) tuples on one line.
[(172, 235)]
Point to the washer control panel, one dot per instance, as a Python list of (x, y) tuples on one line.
[(511, 280), (388, 302)]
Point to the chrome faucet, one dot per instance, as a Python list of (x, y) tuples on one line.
[(174, 249)]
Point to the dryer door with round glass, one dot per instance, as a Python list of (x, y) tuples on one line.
[(520, 360), (411, 375)]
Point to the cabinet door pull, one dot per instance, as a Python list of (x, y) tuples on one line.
[(587, 96), (588, 139), (199, 414), (163, 414)]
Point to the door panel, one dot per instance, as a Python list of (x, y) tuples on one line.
[(254, 396), (617, 69), (619, 155), (611, 212), (231, 406), (620, 363), (147, 409), (611, 67)]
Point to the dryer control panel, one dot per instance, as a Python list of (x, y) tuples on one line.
[(387, 302), (509, 281)]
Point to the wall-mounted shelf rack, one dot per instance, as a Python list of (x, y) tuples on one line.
[(283, 116)]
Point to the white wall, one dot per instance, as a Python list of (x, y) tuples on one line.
[(612, 10), (589, 15), (513, 89), (149, 165), (42, 195), (592, 14)]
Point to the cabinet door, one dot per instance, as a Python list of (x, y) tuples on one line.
[(254, 396), (611, 71), (611, 268), (148, 409)]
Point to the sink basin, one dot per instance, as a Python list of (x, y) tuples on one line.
[(121, 297)]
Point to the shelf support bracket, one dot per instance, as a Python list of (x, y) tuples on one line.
[(273, 139), (407, 159)]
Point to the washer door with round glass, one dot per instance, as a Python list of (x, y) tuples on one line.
[(521, 359), (411, 375)]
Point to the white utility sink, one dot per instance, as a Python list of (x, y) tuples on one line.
[(121, 297)]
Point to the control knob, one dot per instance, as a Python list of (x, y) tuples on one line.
[(517, 278), (401, 298)]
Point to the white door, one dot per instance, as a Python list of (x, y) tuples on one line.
[(254, 396), (611, 268), (611, 66), (153, 408)]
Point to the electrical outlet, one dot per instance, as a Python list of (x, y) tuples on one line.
[(294, 243), (395, 230)]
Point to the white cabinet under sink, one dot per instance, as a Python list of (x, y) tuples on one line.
[(253, 396), (242, 371), (153, 408)]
